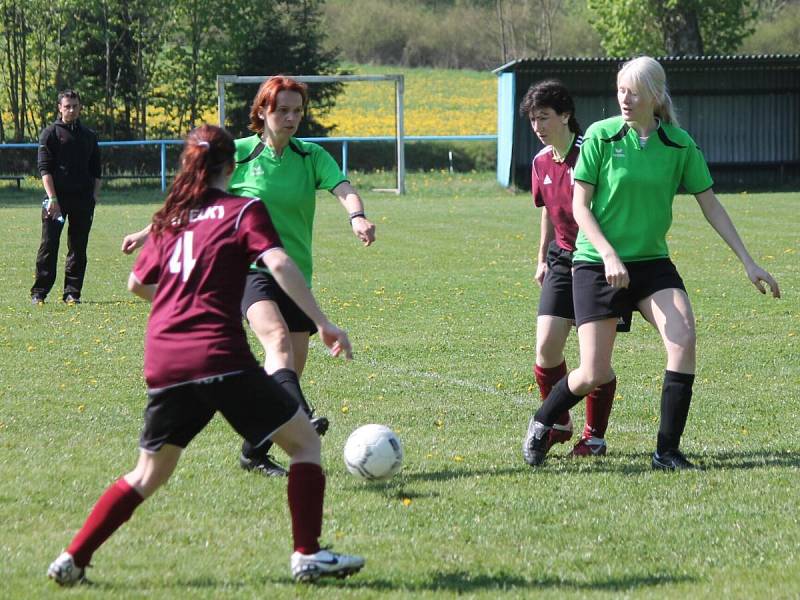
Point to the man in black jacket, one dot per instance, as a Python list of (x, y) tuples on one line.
[(69, 162)]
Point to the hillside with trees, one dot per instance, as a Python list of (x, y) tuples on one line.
[(147, 68)]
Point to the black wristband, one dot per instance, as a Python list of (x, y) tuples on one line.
[(355, 215)]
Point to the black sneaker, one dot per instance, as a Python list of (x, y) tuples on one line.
[(72, 299), (535, 446), (37, 300), (671, 460), (265, 465), (320, 425)]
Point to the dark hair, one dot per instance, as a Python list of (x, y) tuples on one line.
[(71, 94), (267, 97), (207, 151), (550, 93)]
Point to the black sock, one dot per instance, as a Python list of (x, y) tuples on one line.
[(288, 380), (558, 401), (676, 395)]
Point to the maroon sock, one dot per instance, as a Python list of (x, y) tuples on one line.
[(306, 493), (546, 378), (112, 509), (598, 409)]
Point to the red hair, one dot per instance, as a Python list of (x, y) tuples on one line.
[(207, 151), (267, 97)]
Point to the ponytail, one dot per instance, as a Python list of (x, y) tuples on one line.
[(207, 152)]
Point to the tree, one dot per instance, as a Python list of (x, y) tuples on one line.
[(672, 27), (271, 37)]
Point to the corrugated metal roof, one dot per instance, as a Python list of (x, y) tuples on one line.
[(749, 59)]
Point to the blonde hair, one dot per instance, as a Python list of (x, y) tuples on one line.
[(647, 76)]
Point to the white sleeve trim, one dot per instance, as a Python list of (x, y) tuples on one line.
[(241, 212)]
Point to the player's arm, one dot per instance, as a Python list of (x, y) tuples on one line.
[(362, 227), (144, 291), (292, 282), (547, 234), (132, 241), (616, 273), (46, 163), (719, 219)]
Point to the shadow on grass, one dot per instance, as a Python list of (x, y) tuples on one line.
[(624, 463), (461, 581)]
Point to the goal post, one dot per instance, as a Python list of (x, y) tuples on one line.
[(399, 91)]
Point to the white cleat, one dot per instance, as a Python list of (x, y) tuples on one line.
[(307, 568), (64, 571)]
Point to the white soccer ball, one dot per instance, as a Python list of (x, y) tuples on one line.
[(373, 452)]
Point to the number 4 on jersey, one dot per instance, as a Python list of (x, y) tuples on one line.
[(183, 260)]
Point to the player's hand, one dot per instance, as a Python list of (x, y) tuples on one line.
[(616, 272), (364, 230), (336, 340), (759, 277), (541, 271), (53, 210), (133, 241)]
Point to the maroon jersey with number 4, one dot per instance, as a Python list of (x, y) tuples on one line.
[(551, 185), (195, 329)]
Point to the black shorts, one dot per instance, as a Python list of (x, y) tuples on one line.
[(596, 300), (262, 286), (251, 401), (555, 299)]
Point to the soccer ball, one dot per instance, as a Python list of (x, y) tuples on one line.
[(373, 452)]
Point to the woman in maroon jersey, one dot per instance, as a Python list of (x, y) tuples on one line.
[(551, 111), (197, 360)]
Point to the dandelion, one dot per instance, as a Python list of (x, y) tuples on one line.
[(406, 501)]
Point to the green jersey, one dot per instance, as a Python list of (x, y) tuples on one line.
[(634, 185), (287, 185)]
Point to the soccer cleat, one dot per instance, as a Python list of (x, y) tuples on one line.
[(560, 433), (307, 568), (589, 446), (265, 465), (72, 299), (64, 571), (37, 300), (671, 460), (536, 444), (320, 425)]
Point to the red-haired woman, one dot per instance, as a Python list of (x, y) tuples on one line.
[(193, 270), (285, 173)]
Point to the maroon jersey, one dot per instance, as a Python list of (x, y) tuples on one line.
[(195, 329), (551, 185)]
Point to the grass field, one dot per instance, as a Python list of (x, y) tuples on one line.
[(441, 312)]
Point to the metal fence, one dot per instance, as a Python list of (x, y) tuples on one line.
[(344, 141)]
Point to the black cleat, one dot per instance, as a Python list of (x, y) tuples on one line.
[(265, 465), (671, 460), (37, 300), (72, 299), (320, 425), (536, 444)]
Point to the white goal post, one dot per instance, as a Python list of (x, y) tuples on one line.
[(399, 89)]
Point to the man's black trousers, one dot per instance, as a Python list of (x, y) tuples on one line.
[(78, 214)]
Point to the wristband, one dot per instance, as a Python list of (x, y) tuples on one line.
[(355, 215)]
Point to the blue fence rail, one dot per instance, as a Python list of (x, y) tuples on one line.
[(344, 141)]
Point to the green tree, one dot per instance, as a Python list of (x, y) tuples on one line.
[(271, 37), (672, 27)]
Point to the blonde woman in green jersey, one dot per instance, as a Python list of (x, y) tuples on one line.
[(285, 173), (630, 168)]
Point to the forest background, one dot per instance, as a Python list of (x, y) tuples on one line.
[(147, 69)]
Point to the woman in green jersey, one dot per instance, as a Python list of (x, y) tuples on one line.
[(630, 168), (285, 173)]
